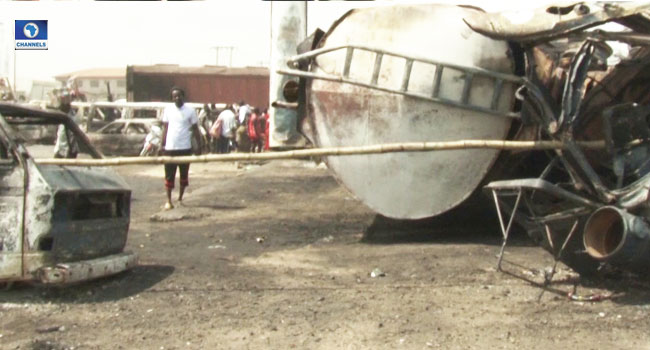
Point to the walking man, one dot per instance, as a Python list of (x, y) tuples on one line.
[(180, 124)]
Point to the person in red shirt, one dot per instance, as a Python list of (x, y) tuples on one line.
[(255, 132), (265, 127)]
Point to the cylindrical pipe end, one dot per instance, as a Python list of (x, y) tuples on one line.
[(605, 233)]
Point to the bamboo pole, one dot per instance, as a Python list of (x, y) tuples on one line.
[(333, 151)]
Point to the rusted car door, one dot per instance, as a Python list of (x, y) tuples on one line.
[(12, 199)]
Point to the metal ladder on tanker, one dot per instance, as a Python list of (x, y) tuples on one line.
[(463, 101)]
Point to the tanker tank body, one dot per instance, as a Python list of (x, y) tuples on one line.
[(405, 73), (399, 73)]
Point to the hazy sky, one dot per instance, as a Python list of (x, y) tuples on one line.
[(89, 34), (115, 34)]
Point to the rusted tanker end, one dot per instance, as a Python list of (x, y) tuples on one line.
[(407, 73)]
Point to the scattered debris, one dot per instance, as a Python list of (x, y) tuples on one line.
[(47, 345), (217, 246), (591, 297), (50, 329), (7, 306), (167, 216)]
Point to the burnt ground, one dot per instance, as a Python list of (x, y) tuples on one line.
[(279, 256)]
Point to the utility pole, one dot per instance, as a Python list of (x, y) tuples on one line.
[(4, 60), (230, 50), (15, 86)]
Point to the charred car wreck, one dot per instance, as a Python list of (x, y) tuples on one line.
[(59, 224), (571, 74)]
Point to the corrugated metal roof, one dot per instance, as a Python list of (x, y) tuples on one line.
[(100, 73), (208, 70)]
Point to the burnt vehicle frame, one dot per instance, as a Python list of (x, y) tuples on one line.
[(60, 224), (122, 137), (588, 208), (95, 117)]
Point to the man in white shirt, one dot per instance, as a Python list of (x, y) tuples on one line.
[(180, 124), (244, 110), (66, 144)]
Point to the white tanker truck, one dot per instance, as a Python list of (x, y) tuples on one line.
[(428, 72)]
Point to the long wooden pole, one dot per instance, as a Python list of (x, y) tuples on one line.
[(333, 151)]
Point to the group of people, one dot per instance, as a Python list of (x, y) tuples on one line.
[(237, 127), (240, 127)]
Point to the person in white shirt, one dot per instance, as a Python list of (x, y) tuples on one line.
[(180, 124), (244, 110), (223, 129), (66, 145)]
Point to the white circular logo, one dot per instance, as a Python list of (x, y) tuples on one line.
[(30, 30)]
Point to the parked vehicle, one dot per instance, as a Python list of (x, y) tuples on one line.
[(95, 115), (122, 137), (59, 224)]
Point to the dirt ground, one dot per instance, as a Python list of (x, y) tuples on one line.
[(279, 256)]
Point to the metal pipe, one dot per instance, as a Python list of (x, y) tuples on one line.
[(285, 105), (377, 68), (348, 62), (496, 94), (436, 81), (407, 75), (467, 85), (617, 237)]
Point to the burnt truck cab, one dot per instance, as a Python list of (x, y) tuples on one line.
[(58, 224)]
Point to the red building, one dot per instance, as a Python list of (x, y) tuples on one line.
[(205, 84)]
